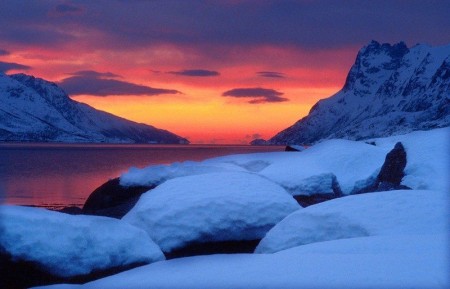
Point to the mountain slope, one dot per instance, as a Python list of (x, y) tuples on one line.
[(32, 109), (391, 89)]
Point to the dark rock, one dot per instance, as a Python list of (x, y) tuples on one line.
[(72, 210), (113, 200), (209, 248), (309, 200), (21, 274), (391, 173), (394, 164), (294, 148)]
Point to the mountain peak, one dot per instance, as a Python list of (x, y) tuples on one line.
[(395, 50), (35, 110), (390, 89)]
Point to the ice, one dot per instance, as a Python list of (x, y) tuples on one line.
[(211, 207), (67, 245), (400, 212)]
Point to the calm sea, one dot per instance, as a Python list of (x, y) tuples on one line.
[(57, 175)]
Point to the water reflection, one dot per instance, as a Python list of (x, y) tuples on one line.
[(61, 174)]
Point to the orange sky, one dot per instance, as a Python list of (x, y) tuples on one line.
[(131, 58), (199, 112)]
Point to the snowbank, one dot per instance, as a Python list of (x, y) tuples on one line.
[(428, 158), (354, 163), (381, 213), (414, 261), (211, 207), (67, 245)]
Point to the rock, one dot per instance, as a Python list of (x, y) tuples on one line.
[(294, 148), (306, 201), (204, 214), (395, 163), (209, 248), (72, 210), (39, 246), (14, 271), (316, 189), (113, 200), (391, 173)]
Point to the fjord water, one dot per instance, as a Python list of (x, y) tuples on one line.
[(57, 175)]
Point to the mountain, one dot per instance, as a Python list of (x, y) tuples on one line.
[(391, 89), (35, 110)]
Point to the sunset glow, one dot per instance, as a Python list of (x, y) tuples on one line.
[(172, 71)]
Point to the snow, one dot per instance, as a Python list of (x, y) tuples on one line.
[(428, 158), (389, 90), (155, 175), (211, 207), (33, 109), (394, 239), (354, 163), (67, 245), (413, 261), (400, 212)]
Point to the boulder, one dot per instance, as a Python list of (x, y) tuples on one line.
[(39, 246), (395, 163), (367, 215), (317, 189), (391, 173), (113, 200), (211, 213)]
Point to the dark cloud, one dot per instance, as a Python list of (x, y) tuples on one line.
[(259, 95), (4, 52), (208, 25), (271, 74), (100, 84), (7, 66), (195, 72), (94, 74)]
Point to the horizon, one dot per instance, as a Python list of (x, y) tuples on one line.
[(219, 72)]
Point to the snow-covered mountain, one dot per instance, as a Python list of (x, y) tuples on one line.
[(391, 89), (32, 109)]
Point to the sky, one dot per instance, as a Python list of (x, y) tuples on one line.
[(223, 72)]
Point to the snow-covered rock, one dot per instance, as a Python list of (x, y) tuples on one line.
[(32, 109), (210, 208), (66, 246), (157, 174), (355, 165), (382, 213), (313, 169), (391, 89)]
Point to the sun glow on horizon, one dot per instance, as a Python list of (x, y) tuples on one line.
[(199, 111)]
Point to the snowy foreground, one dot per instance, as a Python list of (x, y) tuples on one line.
[(392, 239)]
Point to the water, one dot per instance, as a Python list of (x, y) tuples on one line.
[(57, 175)]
